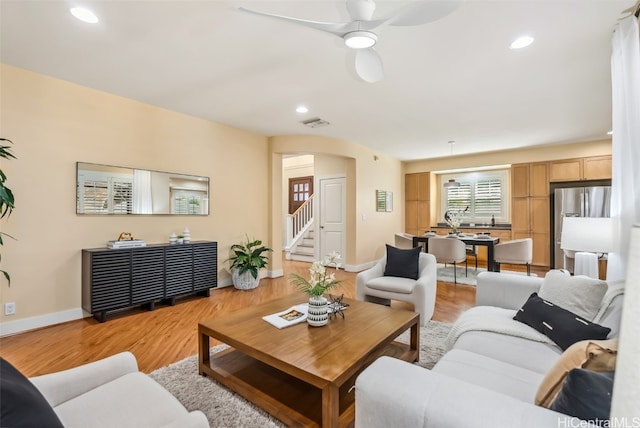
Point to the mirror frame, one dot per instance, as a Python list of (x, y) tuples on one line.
[(105, 182)]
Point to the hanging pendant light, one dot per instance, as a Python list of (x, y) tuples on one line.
[(452, 182)]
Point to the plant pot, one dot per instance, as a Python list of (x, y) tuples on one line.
[(244, 281), (318, 313)]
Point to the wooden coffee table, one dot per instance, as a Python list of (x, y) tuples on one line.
[(304, 375)]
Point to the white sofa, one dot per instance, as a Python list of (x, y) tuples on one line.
[(112, 393), (486, 379)]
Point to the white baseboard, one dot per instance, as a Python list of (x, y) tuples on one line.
[(275, 273), (224, 283), (20, 326), (263, 274)]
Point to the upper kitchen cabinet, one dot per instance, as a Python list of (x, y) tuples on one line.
[(417, 218), (597, 168), (520, 180), (539, 179), (591, 168)]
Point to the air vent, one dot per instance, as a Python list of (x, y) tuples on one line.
[(315, 122)]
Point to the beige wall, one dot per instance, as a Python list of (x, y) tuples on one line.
[(54, 124), (366, 171)]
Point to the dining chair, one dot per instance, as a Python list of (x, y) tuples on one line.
[(515, 252), (449, 250)]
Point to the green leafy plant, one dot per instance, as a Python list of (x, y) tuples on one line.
[(249, 256), (320, 280), (6, 195)]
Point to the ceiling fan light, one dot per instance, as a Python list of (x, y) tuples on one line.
[(360, 39), (451, 183)]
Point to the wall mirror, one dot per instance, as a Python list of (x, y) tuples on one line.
[(106, 189), (384, 201)]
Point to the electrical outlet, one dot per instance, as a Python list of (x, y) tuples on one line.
[(10, 308)]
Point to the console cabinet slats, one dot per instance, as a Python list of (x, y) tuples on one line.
[(116, 279), (179, 270), (147, 275), (204, 273)]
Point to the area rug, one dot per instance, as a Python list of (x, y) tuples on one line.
[(445, 274), (227, 409)]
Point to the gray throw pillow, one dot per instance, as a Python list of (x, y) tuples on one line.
[(579, 294)]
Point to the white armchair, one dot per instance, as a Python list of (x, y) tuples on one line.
[(372, 285), (112, 393)]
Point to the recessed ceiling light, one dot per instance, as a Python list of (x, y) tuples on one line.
[(521, 42), (302, 109), (84, 15)]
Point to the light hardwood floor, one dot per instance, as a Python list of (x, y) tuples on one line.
[(169, 333)]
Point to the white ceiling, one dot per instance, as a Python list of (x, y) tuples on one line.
[(453, 79)]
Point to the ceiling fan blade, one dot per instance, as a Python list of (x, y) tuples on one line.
[(423, 12), (361, 10), (369, 65), (338, 29)]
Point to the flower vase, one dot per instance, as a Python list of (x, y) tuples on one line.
[(318, 314)]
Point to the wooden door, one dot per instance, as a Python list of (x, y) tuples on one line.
[(300, 189)]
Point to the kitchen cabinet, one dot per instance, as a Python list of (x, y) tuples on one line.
[(597, 168), (588, 168), (520, 180), (530, 212), (417, 203)]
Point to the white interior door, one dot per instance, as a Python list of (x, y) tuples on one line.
[(332, 216)]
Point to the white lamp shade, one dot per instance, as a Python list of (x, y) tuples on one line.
[(592, 234)]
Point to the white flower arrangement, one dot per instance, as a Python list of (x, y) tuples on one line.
[(320, 280)]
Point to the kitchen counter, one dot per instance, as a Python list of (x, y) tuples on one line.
[(500, 226)]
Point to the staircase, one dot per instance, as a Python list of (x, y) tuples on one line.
[(305, 250), (300, 240)]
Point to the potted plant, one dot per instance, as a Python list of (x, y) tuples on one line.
[(247, 260), (320, 281), (6, 196)]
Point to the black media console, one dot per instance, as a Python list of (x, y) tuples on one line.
[(121, 278)]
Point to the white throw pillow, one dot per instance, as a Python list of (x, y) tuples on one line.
[(579, 294)]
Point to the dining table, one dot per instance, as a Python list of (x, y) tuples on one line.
[(469, 239)]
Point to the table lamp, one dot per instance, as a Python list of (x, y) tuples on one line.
[(590, 237)]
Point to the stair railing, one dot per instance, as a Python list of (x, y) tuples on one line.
[(298, 221)]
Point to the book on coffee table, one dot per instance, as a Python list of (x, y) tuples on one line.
[(294, 315)]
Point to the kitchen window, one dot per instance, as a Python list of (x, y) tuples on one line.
[(482, 194)]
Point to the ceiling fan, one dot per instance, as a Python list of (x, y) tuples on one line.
[(359, 33)]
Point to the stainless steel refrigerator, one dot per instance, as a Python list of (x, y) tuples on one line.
[(582, 201)]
